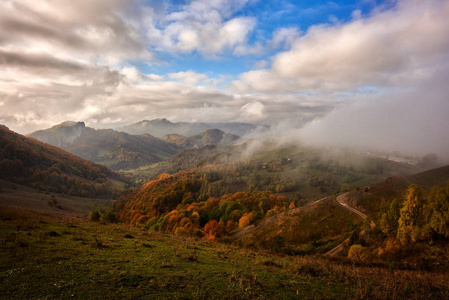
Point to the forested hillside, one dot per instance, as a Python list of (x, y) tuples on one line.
[(27, 161), (182, 204), (411, 214)]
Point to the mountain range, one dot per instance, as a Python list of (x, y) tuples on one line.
[(163, 127), (207, 138), (117, 150), (121, 150)]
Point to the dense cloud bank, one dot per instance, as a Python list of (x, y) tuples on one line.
[(375, 80)]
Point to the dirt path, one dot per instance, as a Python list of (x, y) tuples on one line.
[(237, 234), (342, 200), (337, 249)]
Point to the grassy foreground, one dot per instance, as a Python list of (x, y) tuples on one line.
[(45, 258)]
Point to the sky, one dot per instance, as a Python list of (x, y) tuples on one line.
[(357, 72)]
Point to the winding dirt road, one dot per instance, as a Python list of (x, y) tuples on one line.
[(239, 233), (342, 200)]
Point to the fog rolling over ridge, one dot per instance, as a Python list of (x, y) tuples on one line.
[(413, 122), (369, 74)]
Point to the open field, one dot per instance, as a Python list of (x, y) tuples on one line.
[(24, 198), (47, 258)]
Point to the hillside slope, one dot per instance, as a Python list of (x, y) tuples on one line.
[(313, 228), (317, 226), (369, 199), (213, 137), (181, 203), (24, 160)]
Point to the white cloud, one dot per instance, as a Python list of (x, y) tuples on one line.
[(235, 31), (204, 26), (190, 77), (284, 37), (399, 46), (132, 75), (413, 122), (154, 77), (253, 109), (76, 28), (188, 40), (74, 60), (384, 78)]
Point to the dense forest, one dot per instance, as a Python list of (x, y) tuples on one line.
[(183, 204)]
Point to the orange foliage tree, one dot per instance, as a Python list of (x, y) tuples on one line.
[(213, 230)]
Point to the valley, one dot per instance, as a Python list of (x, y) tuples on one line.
[(297, 216), (225, 149)]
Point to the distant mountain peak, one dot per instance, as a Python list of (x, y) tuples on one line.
[(70, 124), (161, 119), (160, 122), (213, 131), (61, 134)]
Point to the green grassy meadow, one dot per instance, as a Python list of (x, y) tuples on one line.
[(70, 258)]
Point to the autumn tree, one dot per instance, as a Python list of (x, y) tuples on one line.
[(109, 217), (357, 253), (410, 216), (438, 211), (213, 230), (230, 226), (94, 216), (245, 220), (389, 217)]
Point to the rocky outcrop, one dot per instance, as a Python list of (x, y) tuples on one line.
[(60, 135)]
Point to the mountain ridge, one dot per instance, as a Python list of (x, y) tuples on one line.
[(61, 134), (163, 127), (209, 137), (117, 150)]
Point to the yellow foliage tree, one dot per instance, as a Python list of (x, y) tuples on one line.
[(245, 220), (408, 229), (357, 253)]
